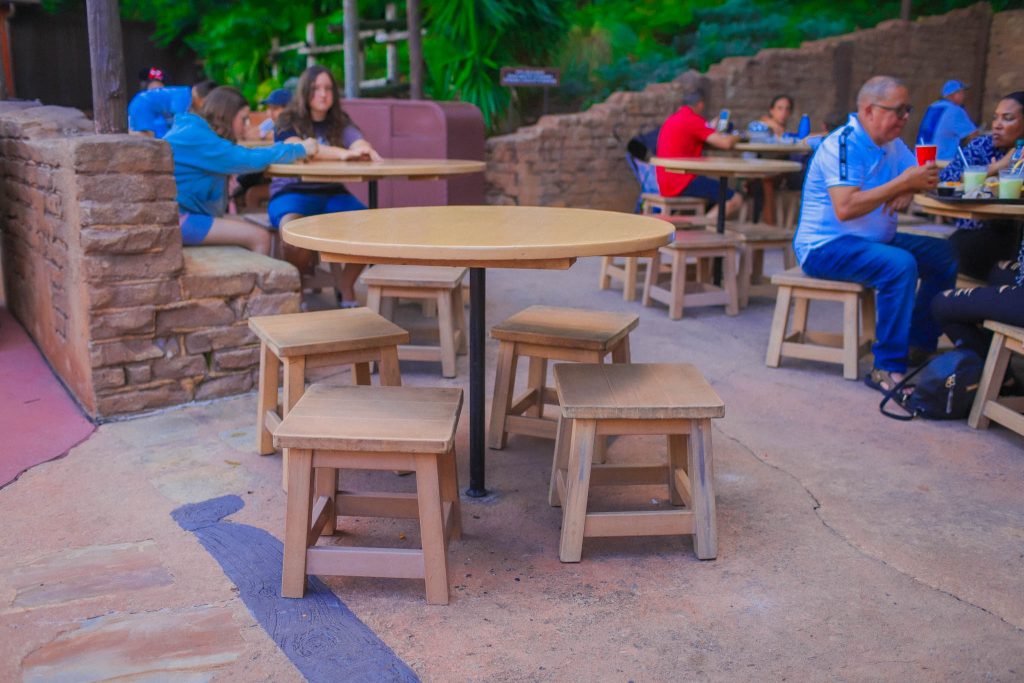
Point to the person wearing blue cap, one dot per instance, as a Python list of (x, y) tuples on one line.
[(275, 103), (946, 123)]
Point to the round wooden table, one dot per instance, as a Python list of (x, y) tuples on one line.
[(725, 168), (978, 211), (781, 148), (477, 237), (372, 171)]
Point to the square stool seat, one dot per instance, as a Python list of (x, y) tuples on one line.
[(548, 333), (703, 246), (988, 404), (370, 428), (670, 399)]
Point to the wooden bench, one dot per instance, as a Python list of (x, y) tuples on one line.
[(1006, 340), (602, 400), (684, 213), (547, 333), (799, 289), (703, 246), (754, 239), (371, 428), (441, 285), (303, 341)]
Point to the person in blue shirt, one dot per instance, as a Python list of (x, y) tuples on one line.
[(152, 112), (315, 111), (946, 123), (205, 154), (275, 103), (859, 177)]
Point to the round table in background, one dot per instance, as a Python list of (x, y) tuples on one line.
[(978, 211), (477, 237), (780, 148), (372, 171)]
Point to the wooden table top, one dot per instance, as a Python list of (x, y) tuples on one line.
[(477, 236), (355, 171), (978, 212), (255, 143), (727, 166), (772, 147)]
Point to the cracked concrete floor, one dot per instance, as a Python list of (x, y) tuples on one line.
[(851, 547)]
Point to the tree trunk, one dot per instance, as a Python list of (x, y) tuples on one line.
[(351, 8), (412, 18), (109, 98), (905, 9)]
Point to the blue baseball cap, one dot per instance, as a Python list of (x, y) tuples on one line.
[(278, 98), (950, 87)]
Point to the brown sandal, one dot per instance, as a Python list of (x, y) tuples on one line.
[(882, 380)]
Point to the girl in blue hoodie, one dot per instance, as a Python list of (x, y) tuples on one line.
[(205, 155)]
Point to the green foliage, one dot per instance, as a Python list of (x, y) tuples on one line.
[(468, 41)]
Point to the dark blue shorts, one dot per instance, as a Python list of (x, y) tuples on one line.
[(194, 227), (309, 204), (705, 188)]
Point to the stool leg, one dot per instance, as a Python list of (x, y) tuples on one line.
[(390, 375), (788, 257), (296, 524), (604, 281), (629, 274), (678, 286), (801, 306), (732, 306), (574, 507), (504, 383), (435, 555), (270, 365), (450, 491), (560, 460), (459, 313), (756, 265), (991, 380), (678, 455), (373, 298), (778, 331), (536, 382), (294, 387), (746, 278), (701, 470), (361, 374), (446, 328), (851, 335), (620, 354), (651, 277), (325, 483)]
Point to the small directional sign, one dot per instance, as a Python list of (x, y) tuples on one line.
[(530, 76)]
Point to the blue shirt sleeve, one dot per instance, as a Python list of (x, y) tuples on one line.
[(959, 122), (153, 110)]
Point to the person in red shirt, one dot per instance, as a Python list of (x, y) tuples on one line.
[(683, 135)]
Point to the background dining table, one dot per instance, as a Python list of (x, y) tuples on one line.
[(477, 237), (970, 209)]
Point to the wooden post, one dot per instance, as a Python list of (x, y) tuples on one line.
[(412, 18), (109, 98), (351, 9), (310, 42), (391, 50), (905, 10), (275, 67)]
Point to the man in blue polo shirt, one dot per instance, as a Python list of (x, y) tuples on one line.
[(946, 123), (859, 177)]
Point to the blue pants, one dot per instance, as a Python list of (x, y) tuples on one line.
[(892, 269), (309, 204)]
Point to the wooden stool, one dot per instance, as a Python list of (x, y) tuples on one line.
[(626, 270), (787, 209), (703, 246), (987, 406), (600, 400), (754, 239), (845, 348), (302, 341), (440, 284), (371, 428), (547, 333)]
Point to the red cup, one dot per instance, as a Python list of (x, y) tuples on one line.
[(925, 153)]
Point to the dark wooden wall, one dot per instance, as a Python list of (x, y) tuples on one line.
[(50, 53)]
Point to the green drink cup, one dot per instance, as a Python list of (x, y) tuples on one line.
[(974, 177)]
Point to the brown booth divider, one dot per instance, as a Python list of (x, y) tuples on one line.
[(422, 129)]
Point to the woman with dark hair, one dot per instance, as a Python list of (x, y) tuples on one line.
[(980, 245), (205, 154), (315, 111), (772, 124)]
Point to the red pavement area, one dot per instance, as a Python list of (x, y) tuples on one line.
[(38, 419)]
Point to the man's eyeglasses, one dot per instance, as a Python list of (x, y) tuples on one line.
[(900, 111)]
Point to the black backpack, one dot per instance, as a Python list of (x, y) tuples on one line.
[(944, 389)]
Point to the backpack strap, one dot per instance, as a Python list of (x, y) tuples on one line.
[(896, 394)]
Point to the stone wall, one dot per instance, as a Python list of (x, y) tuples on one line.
[(578, 159), (95, 271)]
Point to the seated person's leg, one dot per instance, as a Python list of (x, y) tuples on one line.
[(892, 272), (978, 250), (706, 188), (936, 266), (1004, 273), (962, 311), (290, 206), (231, 231)]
